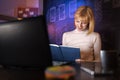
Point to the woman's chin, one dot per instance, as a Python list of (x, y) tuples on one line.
[(80, 29)]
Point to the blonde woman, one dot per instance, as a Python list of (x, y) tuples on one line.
[(83, 36)]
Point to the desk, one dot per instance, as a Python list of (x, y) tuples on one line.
[(20, 74), (29, 74), (82, 75)]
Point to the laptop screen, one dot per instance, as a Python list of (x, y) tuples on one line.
[(25, 43)]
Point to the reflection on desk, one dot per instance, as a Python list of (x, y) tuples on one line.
[(99, 73), (95, 69), (17, 73)]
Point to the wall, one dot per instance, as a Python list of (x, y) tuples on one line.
[(110, 28), (35, 3), (7, 7)]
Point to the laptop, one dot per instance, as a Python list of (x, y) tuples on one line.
[(95, 69), (25, 43), (64, 53)]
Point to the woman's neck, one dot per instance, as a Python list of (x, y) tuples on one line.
[(81, 31)]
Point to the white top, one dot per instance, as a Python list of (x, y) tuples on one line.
[(89, 44)]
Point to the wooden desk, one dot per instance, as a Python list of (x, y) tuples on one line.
[(29, 74)]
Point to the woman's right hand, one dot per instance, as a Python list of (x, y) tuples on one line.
[(81, 60)]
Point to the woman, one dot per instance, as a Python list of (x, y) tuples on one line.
[(83, 36)]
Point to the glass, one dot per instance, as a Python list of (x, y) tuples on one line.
[(109, 59)]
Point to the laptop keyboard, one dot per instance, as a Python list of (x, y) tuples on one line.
[(90, 65), (58, 63)]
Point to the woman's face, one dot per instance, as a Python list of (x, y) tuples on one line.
[(81, 25)]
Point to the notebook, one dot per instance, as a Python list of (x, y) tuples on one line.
[(64, 53), (94, 69)]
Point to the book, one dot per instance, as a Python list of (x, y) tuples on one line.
[(64, 53)]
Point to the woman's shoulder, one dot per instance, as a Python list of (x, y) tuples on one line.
[(95, 33)]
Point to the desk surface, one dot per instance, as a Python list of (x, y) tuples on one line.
[(12, 73), (82, 75)]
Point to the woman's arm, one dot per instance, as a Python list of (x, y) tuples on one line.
[(64, 39), (97, 47)]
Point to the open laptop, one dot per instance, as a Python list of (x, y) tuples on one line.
[(25, 43), (64, 53), (95, 69)]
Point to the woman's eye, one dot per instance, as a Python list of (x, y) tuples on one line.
[(83, 23), (77, 21)]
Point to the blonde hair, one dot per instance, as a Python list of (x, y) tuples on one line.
[(85, 13)]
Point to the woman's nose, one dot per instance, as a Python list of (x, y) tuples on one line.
[(80, 23)]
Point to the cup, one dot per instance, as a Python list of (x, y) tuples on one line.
[(109, 59)]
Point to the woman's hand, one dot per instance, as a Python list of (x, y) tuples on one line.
[(81, 60)]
